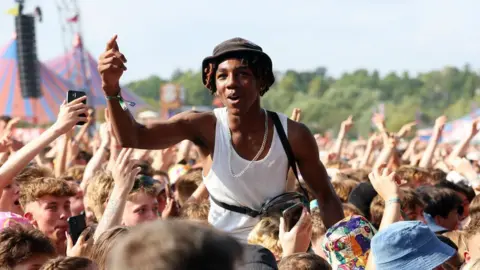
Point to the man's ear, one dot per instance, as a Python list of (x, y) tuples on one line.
[(29, 216), (466, 254)]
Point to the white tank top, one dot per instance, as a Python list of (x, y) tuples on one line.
[(266, 178)]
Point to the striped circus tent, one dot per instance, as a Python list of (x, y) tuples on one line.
[(84, 75), (41, 110)]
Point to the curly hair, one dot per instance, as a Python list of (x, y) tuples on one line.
[(256, 63)]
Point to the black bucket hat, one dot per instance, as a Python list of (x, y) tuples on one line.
[(236, 46)]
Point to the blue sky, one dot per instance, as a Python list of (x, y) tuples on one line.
[(160, 36)]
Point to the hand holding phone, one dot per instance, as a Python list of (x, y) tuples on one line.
[(292, 215), (76, 225), (71, 96)]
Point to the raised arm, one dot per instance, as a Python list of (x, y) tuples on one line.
[(184, 126), (69, 115)]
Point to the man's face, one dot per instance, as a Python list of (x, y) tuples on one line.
[(236, 86), (33, 263), (9, 199), (49, 214), (450, 222), (465, 205), (140, 208)]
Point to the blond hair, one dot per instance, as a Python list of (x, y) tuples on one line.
[(98, 191), (37, 188), (196, 211), (75, 172), (265, 234), (104, 245)]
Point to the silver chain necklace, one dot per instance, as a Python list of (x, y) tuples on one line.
[(255, 158)]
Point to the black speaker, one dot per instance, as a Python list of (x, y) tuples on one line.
[(27, 62)]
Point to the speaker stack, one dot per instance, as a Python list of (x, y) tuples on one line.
[(27, 62)]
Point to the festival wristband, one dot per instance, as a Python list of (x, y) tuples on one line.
[(121, 101), (392, 201)]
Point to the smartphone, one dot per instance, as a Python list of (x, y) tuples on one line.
[(76, 225), (292, 215), (71, 96)]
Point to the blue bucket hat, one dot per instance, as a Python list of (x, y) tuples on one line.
[(409, 245)]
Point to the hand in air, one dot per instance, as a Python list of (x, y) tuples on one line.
[(69, 115), (296, 114), (385, 183), (347, 124), (124, 172), (111, 66), (475, 128)]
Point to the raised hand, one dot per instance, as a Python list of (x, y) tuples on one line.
[(347, 124), (111, 66), (474, 128), (385, 183), (440, 122), (69, 115), (296, 113), (406, 129), (123, 172)]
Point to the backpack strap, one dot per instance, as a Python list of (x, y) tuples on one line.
[(292, 162)]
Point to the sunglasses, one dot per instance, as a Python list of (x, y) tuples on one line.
[(144, 181)]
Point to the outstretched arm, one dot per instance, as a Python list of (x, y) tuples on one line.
[(184, 126), (161, 135), (313, 172)]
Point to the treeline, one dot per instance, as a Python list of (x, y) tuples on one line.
[(326, 101)]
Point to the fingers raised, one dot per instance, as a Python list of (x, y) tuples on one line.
[(111, 44)]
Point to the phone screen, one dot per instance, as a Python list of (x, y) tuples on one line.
[(76, 225), (74, 94), (292, 215)]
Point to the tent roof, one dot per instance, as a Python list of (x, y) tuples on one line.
[(41, 110)]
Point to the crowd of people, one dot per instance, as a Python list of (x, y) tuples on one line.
[(209, 190)]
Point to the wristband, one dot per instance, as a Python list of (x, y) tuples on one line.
[(121, 101), (392, 201)]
